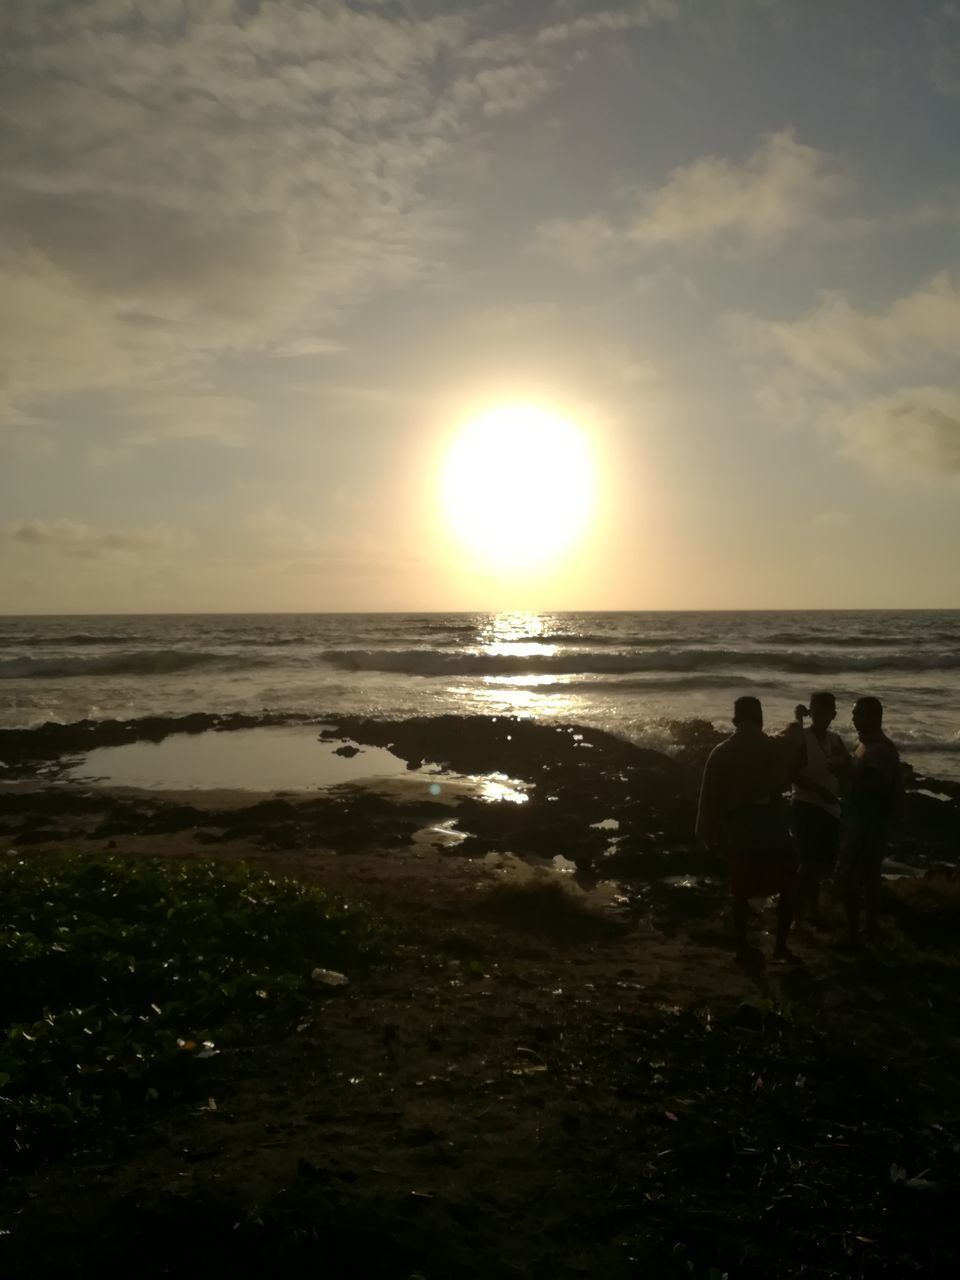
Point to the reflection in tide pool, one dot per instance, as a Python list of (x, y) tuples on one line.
[(264, 759), (279, 759), (497, 786)]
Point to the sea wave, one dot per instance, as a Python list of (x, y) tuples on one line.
[(655, 684), (603, 639), (719, 665), (430, 662), (78, 640), (856, 640), (142, 663), (909, 742)]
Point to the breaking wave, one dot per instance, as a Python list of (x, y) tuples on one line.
[(428, 662), (161, 662), (77, 641)]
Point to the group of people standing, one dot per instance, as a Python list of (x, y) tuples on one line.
[(836, 825)]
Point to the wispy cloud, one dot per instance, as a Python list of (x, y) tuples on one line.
[(608, 21), (178, 189), (917, 428), (70, 537), (943, 29), (784, 188), (853, 371), (183, 183), (838, 341)]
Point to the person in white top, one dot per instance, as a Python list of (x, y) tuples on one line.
[(819, 761)]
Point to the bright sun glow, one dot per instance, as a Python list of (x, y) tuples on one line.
[(518, 487)]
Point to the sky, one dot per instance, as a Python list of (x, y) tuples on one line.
[(261, 261)]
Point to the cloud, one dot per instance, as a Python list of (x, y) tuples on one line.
[(853, 372), (607, 22), (784, 188), (507, 90), (177, 190), (837, 342), (917, 428), (186, 183), (943, 30), (580, 243), (72, 538)]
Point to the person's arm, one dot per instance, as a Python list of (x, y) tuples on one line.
[(898, 816), (841, 761), (711, 827)]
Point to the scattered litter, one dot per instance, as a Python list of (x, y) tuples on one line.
[(898, 1176), (524, 1052), (330, 978)]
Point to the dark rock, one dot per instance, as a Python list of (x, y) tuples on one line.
[(749, 1017)]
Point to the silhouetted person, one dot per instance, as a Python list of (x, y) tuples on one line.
[(743, 814), (818, 760), (875, 794)]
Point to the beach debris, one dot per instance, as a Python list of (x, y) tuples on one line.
[(920, 1182), (330, 978)]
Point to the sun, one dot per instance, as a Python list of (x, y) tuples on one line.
[(518, 487)]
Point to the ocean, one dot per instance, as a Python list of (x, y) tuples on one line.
[(632, 674)]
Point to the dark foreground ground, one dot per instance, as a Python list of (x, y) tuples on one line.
[(548, 1078)]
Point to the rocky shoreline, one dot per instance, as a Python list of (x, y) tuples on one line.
[(542, 1082), (610, 807)]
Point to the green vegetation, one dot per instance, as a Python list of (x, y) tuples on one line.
[(121, 980)]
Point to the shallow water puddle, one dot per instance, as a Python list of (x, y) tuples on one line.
[(442, 835), (263, 759), (283, 758)]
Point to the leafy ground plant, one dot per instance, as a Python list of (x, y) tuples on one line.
[(119, 978)]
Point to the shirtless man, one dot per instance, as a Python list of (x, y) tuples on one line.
[(876, 793), (742, 814)]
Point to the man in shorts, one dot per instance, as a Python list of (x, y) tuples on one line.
[(742, 813), (876, 795)]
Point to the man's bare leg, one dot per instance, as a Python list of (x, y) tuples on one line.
[(871, 895), (851, 905), (741, 909), (785, 909), (808, 895)]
